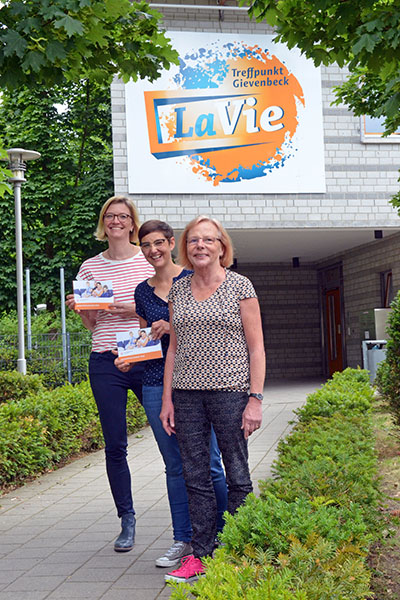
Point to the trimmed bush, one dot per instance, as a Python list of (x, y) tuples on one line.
[(42, 429), (315, 570), (348, 392), (339, 467), (23, 444), (269, 523), (307, 536), (388, 375), (14, 385)]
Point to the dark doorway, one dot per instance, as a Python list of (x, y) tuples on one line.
[(333, 339)]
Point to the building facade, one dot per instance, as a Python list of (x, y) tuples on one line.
[(318, 260)]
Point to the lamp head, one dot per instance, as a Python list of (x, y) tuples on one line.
[(18, 158)]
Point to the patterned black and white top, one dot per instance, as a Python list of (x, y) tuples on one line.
[(211, 352)]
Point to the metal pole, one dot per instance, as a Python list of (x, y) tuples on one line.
[(69, 370), (63, 324), (28, 308), (21, 362)]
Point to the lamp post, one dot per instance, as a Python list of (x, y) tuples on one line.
[(17, 158)]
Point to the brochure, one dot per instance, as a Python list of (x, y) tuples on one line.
[(136, 345), (92, 295)]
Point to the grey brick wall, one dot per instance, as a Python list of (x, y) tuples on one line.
[(289, 305)]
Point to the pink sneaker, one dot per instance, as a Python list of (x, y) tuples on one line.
[(190, 568)]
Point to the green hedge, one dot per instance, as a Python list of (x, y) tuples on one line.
[(44, 428), (307, 536), (388, 375), (46, 355), (14, 385)]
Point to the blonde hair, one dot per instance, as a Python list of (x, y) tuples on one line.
[(100, 232), (227, 257)]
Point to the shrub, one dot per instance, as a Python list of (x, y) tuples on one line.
[(346, 393), (46, 355), (14, 385), (42, 429), (388, 375), (43, 322), (315, 570), (23, 444), (306, 537), (228, 580), (268, 523), (332, 460)]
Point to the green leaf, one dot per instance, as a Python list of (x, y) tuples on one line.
[(271, 16), (117, 8), (71, 26), (97, 34), (375, 24), (5, 188), (392, 105), (33, 61), (55, 50), (366, 42), (14, 43)]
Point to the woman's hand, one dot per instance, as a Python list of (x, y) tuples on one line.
[(159, 328), (252, 417), (126, 310), (88, 316), (167, 416), (121, 364), (70, 302)]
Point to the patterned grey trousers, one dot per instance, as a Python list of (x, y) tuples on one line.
[(195, 411)]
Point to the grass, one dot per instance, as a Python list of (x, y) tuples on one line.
[(384, 558)]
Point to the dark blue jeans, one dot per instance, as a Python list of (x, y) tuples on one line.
[(110, 389), (176, 488)]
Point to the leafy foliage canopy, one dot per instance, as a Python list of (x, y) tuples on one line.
[(70, 126), (363, 35), (55, 41)]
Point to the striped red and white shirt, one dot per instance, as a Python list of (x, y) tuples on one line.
[(125, 276)]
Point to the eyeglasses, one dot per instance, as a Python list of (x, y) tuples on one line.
[(156, 244), (207, 241), (122, 218)]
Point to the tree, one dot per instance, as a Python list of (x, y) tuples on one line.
[(55, 41), (70, 126), (4, 174), (363, 35)]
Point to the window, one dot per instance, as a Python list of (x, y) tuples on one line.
[(372, 129)]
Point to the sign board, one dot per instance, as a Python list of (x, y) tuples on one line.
[(240, 114)]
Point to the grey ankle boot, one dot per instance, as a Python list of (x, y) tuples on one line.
[(126, 539)]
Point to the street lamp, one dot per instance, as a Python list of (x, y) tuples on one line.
[(17, 158)]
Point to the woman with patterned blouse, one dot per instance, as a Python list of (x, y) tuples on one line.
[(212, 380), (157, 241)]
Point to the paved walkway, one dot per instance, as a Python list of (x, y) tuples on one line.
[(56, 534)]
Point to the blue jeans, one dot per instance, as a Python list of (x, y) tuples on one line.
[(110, 390), (176, 487)]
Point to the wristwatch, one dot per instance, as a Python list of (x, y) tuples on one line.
[(258, 396)]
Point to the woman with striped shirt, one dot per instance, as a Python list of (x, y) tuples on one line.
[(124, 264)]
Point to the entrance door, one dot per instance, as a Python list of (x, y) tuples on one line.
[(334, 331)]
